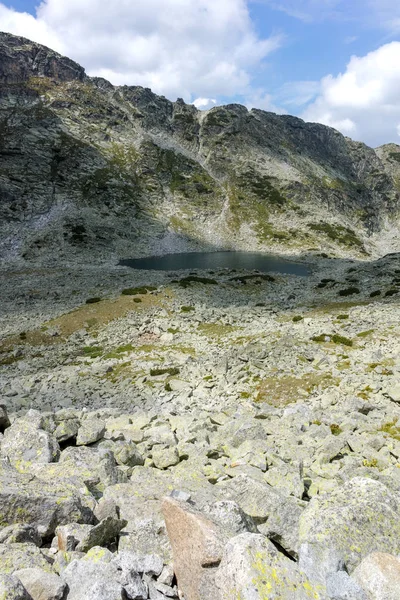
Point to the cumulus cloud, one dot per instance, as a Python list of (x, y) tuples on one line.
[(192, 49), (364, 100), (204, 103)]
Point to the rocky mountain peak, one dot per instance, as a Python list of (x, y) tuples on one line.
[(21, 59)]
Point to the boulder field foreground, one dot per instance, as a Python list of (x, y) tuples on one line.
[(209, 436)]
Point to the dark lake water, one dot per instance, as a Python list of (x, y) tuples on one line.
[(218, 260)]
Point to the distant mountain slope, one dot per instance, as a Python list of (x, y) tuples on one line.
[(92, 170)]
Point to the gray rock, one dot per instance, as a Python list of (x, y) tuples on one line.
[(12, 589), (42, 585), (150, 564), (165, 456), (20, 533), (92, 581), (24, 442), (90, 431), (252, 568), (14, 557), (340, 586), (361, 516), (4, 420), (277, 516), (318, 561), (101, 534), (379, 576)]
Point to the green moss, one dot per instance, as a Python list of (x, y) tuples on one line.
[(171, 371), (364, 334), (118, 351), (173, 330), (138, 290), (335, 429), (297, 319), (390, 293), (342, 317), (370, 463), (391, 429), (337, 233), (187, 309), (335, 338), (92, 351)]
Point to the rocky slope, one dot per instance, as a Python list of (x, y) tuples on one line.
[(221, 435), (89, 170)]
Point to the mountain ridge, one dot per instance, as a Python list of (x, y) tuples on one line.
[(89, 168)]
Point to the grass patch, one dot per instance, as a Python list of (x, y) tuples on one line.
[(215, 329), (364, 334), (92, 351), (187, 309), (375, 294), (116, 353), (390, 293), (285, 390), (391, 429), (171, 371), (342, 317), (93, 300), (297, 319), (335, 338), (337, 233), (138, 291)]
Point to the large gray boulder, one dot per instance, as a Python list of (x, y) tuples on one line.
[(253, 569), (379, 575), (42, 585), (25, 442), (29, 500), (12, 589), (358, 518)]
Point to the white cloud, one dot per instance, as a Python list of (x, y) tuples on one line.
[(260, 99), (204, 103), (186, 48), (364, 100), (298, 93)]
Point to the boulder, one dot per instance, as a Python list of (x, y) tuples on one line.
[(25, 443), (4, 420), (90, 431), (361, 516), (12, 589), (90, 580), (42, 585), (14, 557), (253, 569), (197, 546), (277, 515), (28, 500), (20, 533), (379, 576)]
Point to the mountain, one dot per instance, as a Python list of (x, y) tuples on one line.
[(93, 171)]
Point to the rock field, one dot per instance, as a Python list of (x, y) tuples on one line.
[(207, 435)]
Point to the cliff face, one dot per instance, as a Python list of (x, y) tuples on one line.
[(92, 170)]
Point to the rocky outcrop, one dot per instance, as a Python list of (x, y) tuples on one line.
[(93, 170)]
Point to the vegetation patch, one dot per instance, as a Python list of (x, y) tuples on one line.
[(337, 233), (171, 371), (187, 309), (116, 353), (216, 329), (390, 293), (92, 351), (335, 338), (391, 429), (93, 300), (187, 281), (350, 291), (342, 317), (279, 391), (335, 429), (364, 334), (138, 291), (247, 278), (297, 319)]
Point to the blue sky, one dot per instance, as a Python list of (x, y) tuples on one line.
[(331, 61)]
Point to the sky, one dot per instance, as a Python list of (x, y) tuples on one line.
[(335, 62)]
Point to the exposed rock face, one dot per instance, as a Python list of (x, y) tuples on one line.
[(87, 167)]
